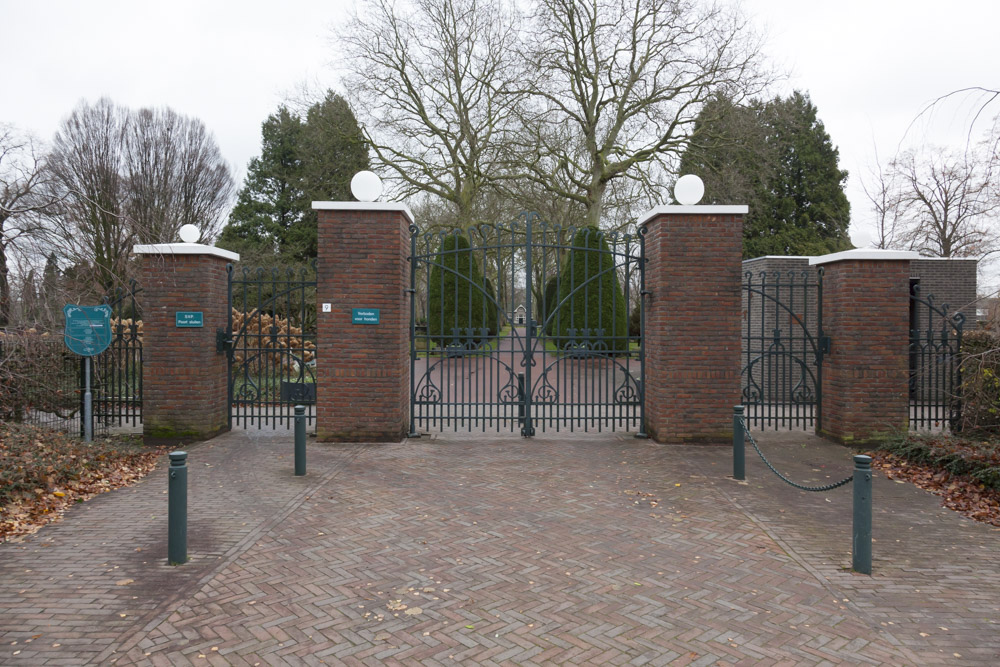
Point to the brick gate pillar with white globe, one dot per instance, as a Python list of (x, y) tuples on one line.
[(363, 318)]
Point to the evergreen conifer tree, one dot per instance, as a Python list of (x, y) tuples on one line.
[(591, 296), (458, 294)]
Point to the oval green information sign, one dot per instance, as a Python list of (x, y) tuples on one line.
[(88, 329)]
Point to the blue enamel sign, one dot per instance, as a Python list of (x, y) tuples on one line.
[(364, 315), (88, 329)]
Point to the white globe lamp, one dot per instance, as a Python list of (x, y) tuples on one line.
[(861, 237), (189, 234), (366, 186), (688, 190)]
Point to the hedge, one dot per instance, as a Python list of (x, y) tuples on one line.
[(980, 389)]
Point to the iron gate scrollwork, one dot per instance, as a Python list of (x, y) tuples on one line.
[(576, 362), (783, 348), (271, 343), (935, 363)]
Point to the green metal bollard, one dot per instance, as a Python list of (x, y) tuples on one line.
[(862, 551), (300, 440), (177, 509), (739, 443)]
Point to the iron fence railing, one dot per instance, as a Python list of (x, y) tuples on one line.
[(116, 383), (39, 381)]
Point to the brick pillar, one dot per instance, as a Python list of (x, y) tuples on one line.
[(184, 377), (692, 335), (866, 314), (362, 370)]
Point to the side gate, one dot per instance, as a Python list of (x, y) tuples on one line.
[(271, 344), (935, 363), (116, 384), (526, 326), (783, 348)]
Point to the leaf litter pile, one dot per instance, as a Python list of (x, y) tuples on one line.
[(964, 471), (43, 472)]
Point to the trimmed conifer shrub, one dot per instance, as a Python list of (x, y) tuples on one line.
[(550, 297), (635, 322), (492, 312), (457, 293), (596, 301)]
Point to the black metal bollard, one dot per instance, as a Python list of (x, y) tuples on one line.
[(739, 443), (300, 440), (177, 509), (862, 559)]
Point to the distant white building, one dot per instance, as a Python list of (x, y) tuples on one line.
[(519, 316)]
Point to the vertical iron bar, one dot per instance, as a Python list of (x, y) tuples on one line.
[(528, 429), (82, 388), (88, 403), (413, 331)]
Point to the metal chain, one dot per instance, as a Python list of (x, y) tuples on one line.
[(828, 487)]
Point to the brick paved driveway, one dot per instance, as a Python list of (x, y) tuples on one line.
[(472, 549)]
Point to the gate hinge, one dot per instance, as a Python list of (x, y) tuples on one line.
[(223, 341), (825, 343)]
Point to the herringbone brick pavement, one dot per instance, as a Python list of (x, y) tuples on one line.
[(473, 549)]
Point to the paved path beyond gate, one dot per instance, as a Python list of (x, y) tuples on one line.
[(582, 550)]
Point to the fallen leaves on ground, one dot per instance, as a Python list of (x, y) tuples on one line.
[(960, 493), (43, 472)]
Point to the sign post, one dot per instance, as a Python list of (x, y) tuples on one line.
[(87, 333)]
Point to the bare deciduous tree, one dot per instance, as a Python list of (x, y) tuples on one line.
[(625, 81), (175, 176), (24, 195), (948, 201), (126, 177), (436, 84), (881, 190)]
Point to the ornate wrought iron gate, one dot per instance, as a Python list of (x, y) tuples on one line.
[(271, 343), (576, 363), (783, 348), (935, 368)]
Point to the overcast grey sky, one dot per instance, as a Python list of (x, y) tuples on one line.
[(869, 65)]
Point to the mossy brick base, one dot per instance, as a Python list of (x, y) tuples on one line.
[(692, 335), (362, 370), (865, 375), (184, 377)]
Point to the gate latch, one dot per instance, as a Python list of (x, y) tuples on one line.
[(825, 343), (223, 341)]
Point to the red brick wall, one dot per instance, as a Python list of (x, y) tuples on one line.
[(184, 377), (692, 334), (865, 376), (362, 371)]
